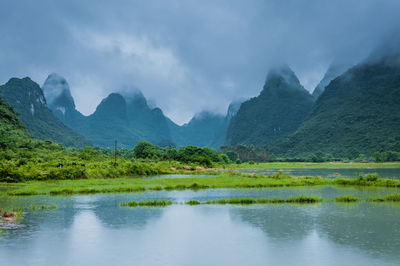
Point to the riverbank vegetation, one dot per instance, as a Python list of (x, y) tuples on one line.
[(228, 180), (147, 203)]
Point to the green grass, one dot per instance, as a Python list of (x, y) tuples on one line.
[(326, 165), (193, 202), (347, 198), (248, 201), (148, 203), (222, 180), (388, 198), (43, 207), (304, 199)]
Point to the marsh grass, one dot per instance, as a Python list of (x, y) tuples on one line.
[(148, 203), (43, 207), (222, 180), (248, 201), (193, 202), (388, 198), (304, 199), (347, 198)]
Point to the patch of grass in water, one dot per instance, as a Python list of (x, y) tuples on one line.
[(347, 198), (388, 198), (304, 199), (193, 202), (43, 207), (248, 201), (148, 203), (23, 192), (155, 203), (131, 203)]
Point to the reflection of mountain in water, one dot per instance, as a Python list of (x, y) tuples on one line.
[(280, 222), (110, 214), (374, 228), (371, 227)]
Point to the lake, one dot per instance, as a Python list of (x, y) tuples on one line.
[(95, 230)]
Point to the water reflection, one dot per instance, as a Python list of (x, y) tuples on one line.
[(94, 230)]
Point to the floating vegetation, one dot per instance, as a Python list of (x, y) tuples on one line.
[(149, 203), (347, 198)]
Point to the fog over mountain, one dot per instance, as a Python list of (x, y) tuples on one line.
[(185, 56)]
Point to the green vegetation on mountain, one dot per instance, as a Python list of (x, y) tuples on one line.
[(334, 70), (127, 118), (204, 130), (280, 108), (27, 99), (358, 113)]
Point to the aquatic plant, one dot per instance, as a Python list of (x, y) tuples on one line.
[(150, 203), (155, 203), (304, 199), (387, 198), (347, 198), (193, 202), (131, 203)]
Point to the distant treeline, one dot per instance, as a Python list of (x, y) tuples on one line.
[(242, 153)]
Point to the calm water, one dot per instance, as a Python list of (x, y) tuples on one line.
[(384, 173), (94, 230)]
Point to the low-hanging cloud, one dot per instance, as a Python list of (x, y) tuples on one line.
[(186, 56)]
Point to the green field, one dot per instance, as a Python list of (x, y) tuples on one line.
[(222, 180)]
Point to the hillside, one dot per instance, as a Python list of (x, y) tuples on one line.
[(204, 130), (126, 118), (27, 99), (334, 70), (359, 112), (279, 109)]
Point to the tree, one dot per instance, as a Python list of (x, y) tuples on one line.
[(145, 150)]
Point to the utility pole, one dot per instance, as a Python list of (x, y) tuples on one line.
[(115, 154)]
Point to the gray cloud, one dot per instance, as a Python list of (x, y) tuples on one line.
[(185, 56)]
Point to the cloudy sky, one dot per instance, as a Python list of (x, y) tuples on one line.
[(185, 56)]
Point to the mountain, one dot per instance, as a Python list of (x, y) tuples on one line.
[(12, 131), (27, 99), (126, 118), (359, 110), (281, 107), (150, 122), (205, 129), (60, 101), (335, 69)]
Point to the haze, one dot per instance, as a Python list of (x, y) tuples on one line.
[(185, 56)]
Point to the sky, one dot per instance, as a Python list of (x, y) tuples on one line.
[(185, 56)]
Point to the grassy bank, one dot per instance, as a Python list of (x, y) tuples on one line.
[(305, 165), (222, 180)]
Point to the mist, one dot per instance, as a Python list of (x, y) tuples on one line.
[(185, 56)]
